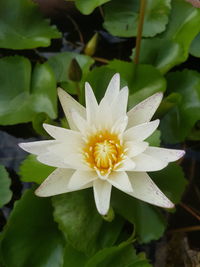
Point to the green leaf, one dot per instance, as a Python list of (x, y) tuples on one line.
[(87, 6), (171, 47), (171, 181), (23, 95), (195, 46), (139, 213), (131, 75), (139, 88), (178, 122), (22, 26), (73, 257), (31, 237), (60, 64), (31, 170), (83, 227), (121, 18), (154, 139), (123, 255), (5, 182)]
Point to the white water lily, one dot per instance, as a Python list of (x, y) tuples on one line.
[(105, 147)]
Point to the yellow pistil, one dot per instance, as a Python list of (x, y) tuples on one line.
[(103, 152)]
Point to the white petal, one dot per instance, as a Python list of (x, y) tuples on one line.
[(57, 183), (102, 194), (120, 125), (68, 104), (66, 155), (81, 178), (135, 148), (165, 154), (147, 163), (60, 133), (141, 131), (91, 104), (113, 89), (121, 181), (145, 189), (53, 160), (119, 105), (80, 123), (127, 165), (37, 147), (144, 111)]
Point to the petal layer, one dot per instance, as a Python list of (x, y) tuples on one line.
[(165, 154), (37, 147), (141, 131), (121, 181), (56, 183), (81, 178), (144, 111), (147, 163), (61, 134), (145, 189), (68, 104), (102, 194)]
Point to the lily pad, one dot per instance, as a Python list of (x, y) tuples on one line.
[(23, 27), (87, 6), (31, 237), (23, 95), (5, 182), (121, 17)]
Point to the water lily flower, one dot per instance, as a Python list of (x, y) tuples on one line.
[(105, 147)]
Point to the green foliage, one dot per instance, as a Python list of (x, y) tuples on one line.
[(171, 181), (5, 192), (195, 45), (22, 26), (81, 224), (123, 255), (178, 122), (23, 95), (31, 237), (139, 213), (121, 17), (131, 75), (87, 6), (171, 47), (31, 170)]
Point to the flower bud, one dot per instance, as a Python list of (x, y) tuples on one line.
[(91, 46), (74, 72)]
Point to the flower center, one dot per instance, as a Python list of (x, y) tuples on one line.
[(103, 152)]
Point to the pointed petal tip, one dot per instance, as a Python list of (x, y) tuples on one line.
[(23, 146)]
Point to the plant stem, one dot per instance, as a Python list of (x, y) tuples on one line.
[(139, 32)]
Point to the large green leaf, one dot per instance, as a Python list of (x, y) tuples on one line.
[(73, 257), (121, 17), (23, 95), (87, 6), (31, 170), (81, 224), (131, 75), (5, 192), (171, 47), (178, 122), (139, 213), (195, 46), (123, 255), (31, 237), (171, 181), (22, 26)]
